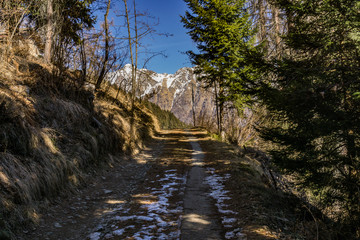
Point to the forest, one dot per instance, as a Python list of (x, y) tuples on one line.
[(294, 64), (299, 60)]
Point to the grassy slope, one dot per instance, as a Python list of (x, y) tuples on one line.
[(52, 136)]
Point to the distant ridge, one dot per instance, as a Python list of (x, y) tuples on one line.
[(176, 92)]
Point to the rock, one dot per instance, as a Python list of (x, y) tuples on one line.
[(99, 228), (108, 236), (95, 236), (57, 225)]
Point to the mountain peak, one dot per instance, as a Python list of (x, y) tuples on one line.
[(171, 92)]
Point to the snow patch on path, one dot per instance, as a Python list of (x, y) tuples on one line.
[(220, 195), (155, 217)]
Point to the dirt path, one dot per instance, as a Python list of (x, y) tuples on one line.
[(200, 220), (166, 192)]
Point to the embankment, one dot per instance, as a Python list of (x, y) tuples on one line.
[(54, 134)]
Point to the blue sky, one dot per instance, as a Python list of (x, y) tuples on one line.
[(168, 13)]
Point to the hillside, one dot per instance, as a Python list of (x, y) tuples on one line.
[(55, 134)]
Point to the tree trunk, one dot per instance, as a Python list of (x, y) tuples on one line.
[(83, 61), (136, 49), (49, 31), (193, 103), (262, 21), (217, 109), (133, 72), (133, 75), (276, 22), (107, 46), (221, 109)]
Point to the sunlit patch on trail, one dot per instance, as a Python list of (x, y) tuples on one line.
[(114, 201), (195, 218)]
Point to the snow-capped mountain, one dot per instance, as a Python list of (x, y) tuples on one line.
[(179, 93)]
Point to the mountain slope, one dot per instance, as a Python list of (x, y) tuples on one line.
[(179, 93)]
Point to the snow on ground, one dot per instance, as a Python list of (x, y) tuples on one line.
[(151, 215), (219, 194)]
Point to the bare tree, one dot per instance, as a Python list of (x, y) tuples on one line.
[(12, 15), (107, 48), (136, 31), (262, 20), (277, 31), (132, 58)]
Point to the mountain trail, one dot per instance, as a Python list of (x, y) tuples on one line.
[(171, 190)]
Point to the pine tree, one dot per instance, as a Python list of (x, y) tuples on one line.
[(223, 34), (313, 98)]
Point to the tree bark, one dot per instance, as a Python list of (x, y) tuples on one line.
[(262, 21), (83, 61), (49, 31), (193, 103), (133, 75), (276, 21), (136, 49), (221, 109), (217, 109)]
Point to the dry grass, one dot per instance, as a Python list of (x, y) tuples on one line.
[(51, 135)]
